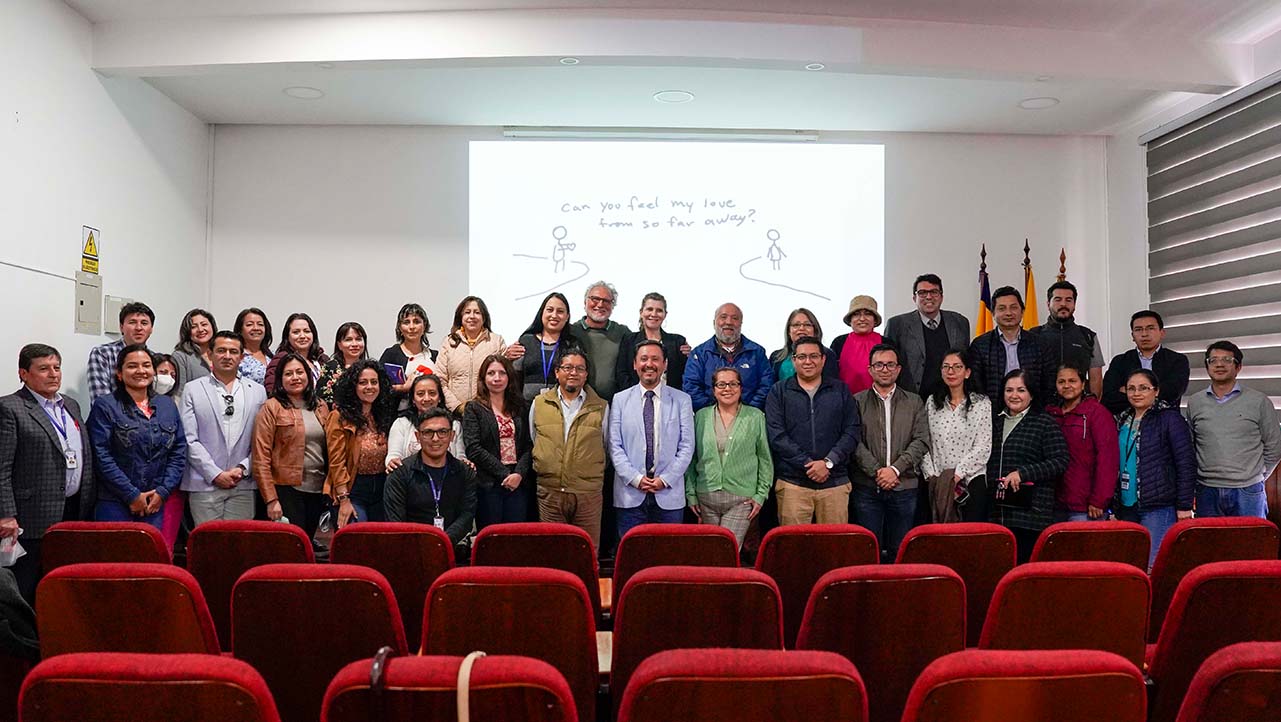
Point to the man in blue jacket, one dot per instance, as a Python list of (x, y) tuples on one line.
[(813, 427), (728, 347)]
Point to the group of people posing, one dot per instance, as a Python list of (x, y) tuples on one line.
[(593, 424)]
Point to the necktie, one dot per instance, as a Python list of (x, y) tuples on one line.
[(648, 418), (932, 323)]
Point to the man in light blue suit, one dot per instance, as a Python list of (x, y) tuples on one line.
[(218, 413), (651, 442)]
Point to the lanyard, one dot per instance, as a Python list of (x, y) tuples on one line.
[(435, 492), (547, 360), (1133, 442), (60, 427)]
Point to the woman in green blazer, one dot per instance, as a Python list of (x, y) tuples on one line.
[(732, 470)]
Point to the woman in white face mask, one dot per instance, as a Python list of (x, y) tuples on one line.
[(166, 384)]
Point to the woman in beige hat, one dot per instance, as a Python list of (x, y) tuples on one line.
[(853, 348)]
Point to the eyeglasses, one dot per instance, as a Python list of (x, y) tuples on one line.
[(726, 384), (1220, 360), (800, 324), (598, 301), (953, 367), (1138, 389), (928, 294), (885, 365), (574, 369), (808, 356), (434, 433), (1145, 329), (230, 401)]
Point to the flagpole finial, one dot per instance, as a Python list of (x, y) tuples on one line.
[(1062, 264), (983, 259), (1027, 249)]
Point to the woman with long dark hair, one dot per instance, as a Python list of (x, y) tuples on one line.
[(470, 341), (960, 444), (300, 338), (290, 450), (542, 344), (410, 356), (255, 331), (356, 436), (1085, 491), (191, 354), (350, 346), (496, 431), (426, 391), (1029, 455), (139, 448), (801, 323)]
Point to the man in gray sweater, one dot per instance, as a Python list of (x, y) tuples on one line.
[(1238, 439)]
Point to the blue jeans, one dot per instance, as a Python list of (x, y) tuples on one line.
[(1247, 501), (497, 505), (1157, 521), (648, 512), (887, 514), (1069, 515)]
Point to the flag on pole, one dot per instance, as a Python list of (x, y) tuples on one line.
[(984, 322), (1031, 314)]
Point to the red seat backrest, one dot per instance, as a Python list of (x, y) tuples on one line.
[(1070, 605), (652, 545), (708, 685), (981, 553), (82, 542), (874, 616), (1239, 683), (1087, 541), (540, 544), (105, 607), (410, 556), (797, 556)]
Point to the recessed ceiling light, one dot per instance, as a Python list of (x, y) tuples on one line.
[(569, 61), (815, 66), (325, 66), (303, 92), (1038, 103), (673, 96), (1044, 78)]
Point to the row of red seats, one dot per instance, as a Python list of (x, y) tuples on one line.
[(412, 556), (298, 623), (1241, 683)]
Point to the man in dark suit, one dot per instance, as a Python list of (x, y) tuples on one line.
[(1007, 347), (1147, 328), (924, 336), (46, 474)]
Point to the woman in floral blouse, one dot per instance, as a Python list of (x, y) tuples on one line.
[(960, 444)]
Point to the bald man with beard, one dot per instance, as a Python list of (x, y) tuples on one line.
[(728, 347)]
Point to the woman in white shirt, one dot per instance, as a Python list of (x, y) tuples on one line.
[(425, 391), (960, 443)]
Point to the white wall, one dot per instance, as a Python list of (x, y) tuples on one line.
[(80, 149), (349, 222)]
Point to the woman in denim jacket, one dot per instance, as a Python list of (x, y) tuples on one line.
[(139, 448)]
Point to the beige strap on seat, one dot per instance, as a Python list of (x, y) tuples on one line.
[(464, 686)]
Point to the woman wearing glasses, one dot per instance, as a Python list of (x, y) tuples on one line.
[(801, 323), (960, 444), (1029, 455), (653, 312), (733, 471), (1158, 461)]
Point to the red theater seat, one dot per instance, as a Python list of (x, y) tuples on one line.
[(652, 545), (745, 685), (1216, 605), (540, 544), (416, 689), (980, 553), (410, 556), (298, 624), (668, 607), (1239, 683), (1089, 541), (155, 608), (891, 621), (84, 542), (110, 687), (527, 611), (796, 557), (1070, 605), (981, 685), (218, 552), (1193, 542)]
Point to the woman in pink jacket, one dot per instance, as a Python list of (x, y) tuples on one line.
[(1095, 455)]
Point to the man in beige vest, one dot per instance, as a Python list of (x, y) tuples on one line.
[(569, 424)]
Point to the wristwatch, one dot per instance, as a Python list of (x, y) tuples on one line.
[(828, 463)]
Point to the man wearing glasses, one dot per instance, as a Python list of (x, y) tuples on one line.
[(1147, 328), (601, 337), (813, 428), (1238, 440), (433, 486), (569, 426), (218, 413), (925, 335), (895, 436)]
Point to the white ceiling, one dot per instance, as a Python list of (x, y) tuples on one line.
[(894, 65)]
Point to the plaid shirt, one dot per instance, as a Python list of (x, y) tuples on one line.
[(102, 368), (1037, 450)]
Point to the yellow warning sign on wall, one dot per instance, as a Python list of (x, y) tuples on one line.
[(90, 238)]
